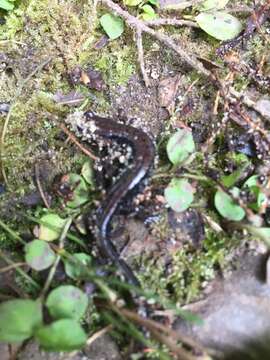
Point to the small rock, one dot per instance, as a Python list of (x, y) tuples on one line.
[(263, 107), (103, 348)]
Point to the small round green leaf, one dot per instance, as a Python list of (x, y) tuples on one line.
[(220, 25), (61, 335), (148, 13), (18, 319), (51, 227), (251, 183), (132, 2), (80, 193), (74, 270), (112, 25), (213, 4), (179, 194), (67, 301), (226, 206), (87, 173), (39, 255), (6, 5), (180, 146)]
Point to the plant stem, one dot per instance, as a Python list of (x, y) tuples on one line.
[(19, 270), (11, 233)]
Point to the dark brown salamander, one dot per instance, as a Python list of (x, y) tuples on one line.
[(143, 154)]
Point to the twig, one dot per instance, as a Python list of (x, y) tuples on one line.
[(16, 96), (173, 22), (151, 324), (11, 267), (39, 186), (76, 142), (19, 270), (140, 25), (240, 9), (247, 101), (141, 57), (12, 233), (181, 353)]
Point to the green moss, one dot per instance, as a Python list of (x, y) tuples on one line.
[(118, 64), (190, 269)]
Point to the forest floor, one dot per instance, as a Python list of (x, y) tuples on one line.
[(56, 60)]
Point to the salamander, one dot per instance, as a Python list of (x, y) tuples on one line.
[(143, 151)]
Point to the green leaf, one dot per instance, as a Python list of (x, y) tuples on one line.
[(73, 270), (132, 2), (67, 301), (112, 25), (87, 173), (80, 193), (61, 335), (51, 227), (230, 180), (6, 5), (251, 183), (226, 206), (220, 25), (18, 319), (153, 2), (213, 5), (180, 146), (39, 255), (148, 13), (179, 194)]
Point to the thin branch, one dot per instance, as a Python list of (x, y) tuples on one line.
[(181, 353), (12, 233), (141, 57), (19, 270), (173, 22), (151, 324), (11, 267), (76, 142), (39, 186), (137, 24)]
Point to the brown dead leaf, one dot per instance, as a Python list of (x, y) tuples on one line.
[(103, 41), (96, 80), (90, 77), (167, 92), (85, 78)]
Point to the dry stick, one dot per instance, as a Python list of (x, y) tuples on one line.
[(39, 186), (150, 324), (173, 22), (16, 96), (247, 101), (76, 142), (11, 267), (141, 57), (140, 25), (181, 353)]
